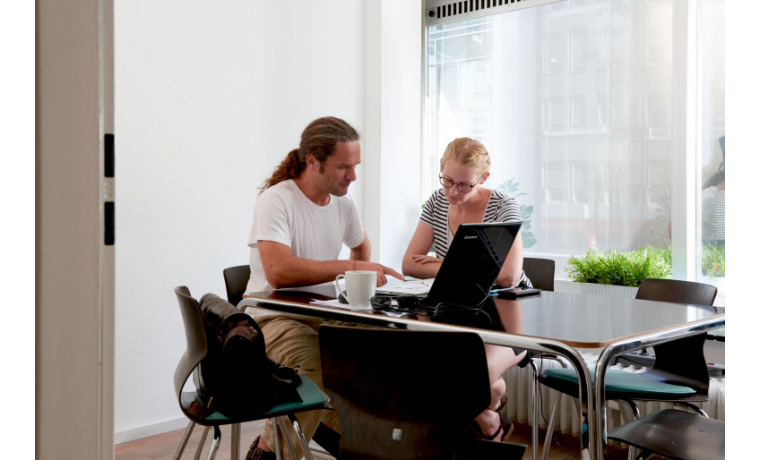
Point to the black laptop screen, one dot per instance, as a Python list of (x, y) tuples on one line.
[(472, 263)]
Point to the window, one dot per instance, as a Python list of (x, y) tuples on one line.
[(575, 101), (711, 149)]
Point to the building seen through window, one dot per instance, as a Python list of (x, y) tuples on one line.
[(575, 101)]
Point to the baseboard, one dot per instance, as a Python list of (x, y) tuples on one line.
[(149, 430)]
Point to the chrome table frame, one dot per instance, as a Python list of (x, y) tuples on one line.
[(592, 398)]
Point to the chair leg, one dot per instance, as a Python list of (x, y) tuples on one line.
[(584, 427), (635, 412), (534, 400), (199, 449), (235, 441), (628, 418), (276, 435), (550, 426), (286, 435), (183, 441), (635, 415), (693, 407), (301, 437), (215, 444)]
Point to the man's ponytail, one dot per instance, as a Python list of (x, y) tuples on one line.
[(290, 168)]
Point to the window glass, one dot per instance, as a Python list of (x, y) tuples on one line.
[(711, 151), (574, 101)]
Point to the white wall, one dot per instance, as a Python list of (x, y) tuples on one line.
[(393, 40), (210, 96)]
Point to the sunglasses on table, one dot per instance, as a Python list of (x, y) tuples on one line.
[(412, 304)]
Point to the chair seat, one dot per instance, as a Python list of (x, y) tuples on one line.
[(312, 396), (618, 381), (675, 434)]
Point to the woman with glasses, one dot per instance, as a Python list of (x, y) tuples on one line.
[(463, 200)]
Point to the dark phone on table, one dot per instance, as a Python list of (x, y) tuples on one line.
[(518, 293)]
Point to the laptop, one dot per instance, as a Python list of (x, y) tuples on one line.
[(472, 264)]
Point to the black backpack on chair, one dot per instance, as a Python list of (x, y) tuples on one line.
[(236, 377)]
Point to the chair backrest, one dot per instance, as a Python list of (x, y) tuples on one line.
[(236, 281), (675, 434), (195, 334), (403, 394), (665, 290), (540, 272), (680, 362)]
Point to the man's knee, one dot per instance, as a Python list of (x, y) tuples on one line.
[(295, 344)]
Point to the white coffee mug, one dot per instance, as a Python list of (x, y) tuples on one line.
[(360, 288)]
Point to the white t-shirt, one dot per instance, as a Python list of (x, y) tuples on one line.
[(285, 215)]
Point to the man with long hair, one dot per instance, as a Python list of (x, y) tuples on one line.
[(301, 220)]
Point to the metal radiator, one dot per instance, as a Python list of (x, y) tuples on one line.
[(519, 390)]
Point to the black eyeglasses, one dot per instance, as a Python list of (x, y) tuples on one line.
[(463, 187)]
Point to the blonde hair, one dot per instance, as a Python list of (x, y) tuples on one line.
[(467, 152)]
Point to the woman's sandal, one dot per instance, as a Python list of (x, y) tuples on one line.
[(506, 427), (502, 403)]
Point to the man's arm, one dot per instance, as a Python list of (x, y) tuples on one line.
[(362, 252), (361, 255), (282, 269)]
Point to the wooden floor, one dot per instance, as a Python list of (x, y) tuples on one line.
[(163, 446)]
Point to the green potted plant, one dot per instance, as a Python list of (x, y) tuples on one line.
[(618, 274)]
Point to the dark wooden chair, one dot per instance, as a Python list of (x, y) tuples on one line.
[(678, 371), (540, 272), (407, 394), (236, 281), (192, 405), (674, 434), (677, 291)]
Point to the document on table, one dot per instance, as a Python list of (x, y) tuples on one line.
[(411, 287), (336, 304)]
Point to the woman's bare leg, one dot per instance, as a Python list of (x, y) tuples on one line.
[(499, 360)]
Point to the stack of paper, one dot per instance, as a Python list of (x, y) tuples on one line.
[(411, 287)]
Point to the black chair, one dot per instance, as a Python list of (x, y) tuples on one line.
[(676, 291), (664, 290), (407, 394), (236, 281), (190, 403), (678, 374), (540, 272), (674, 434)]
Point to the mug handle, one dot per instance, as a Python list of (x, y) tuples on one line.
[(338, 292)]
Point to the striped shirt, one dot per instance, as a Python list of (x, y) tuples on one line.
[(500, 208)]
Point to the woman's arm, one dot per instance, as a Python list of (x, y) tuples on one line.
[(511, 271), (416, 261)]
